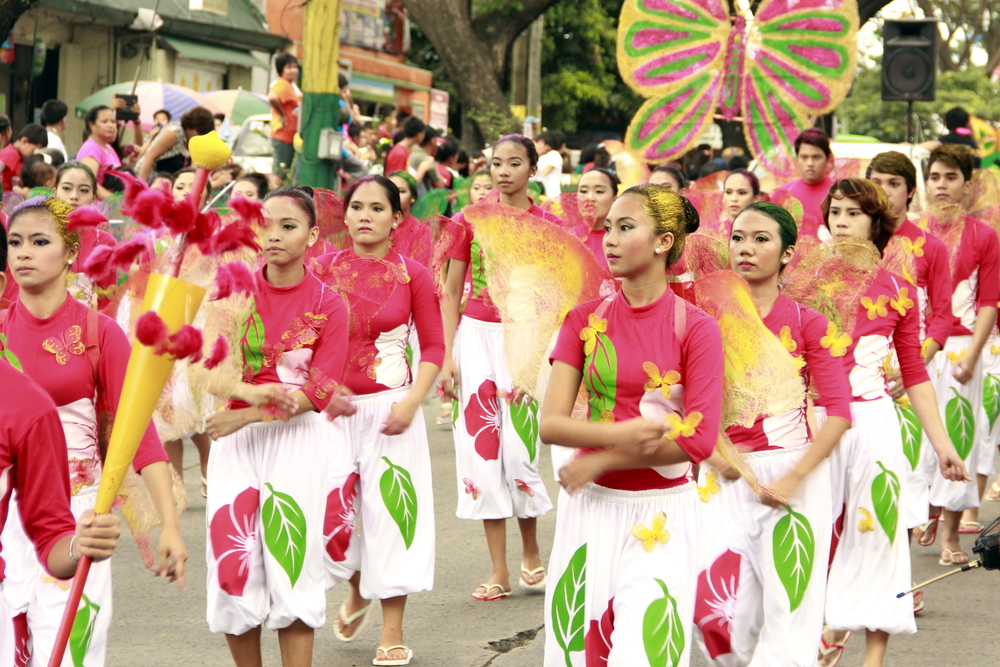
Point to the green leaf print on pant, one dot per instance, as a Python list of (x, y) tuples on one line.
[(400, 499), (794, 548), (284, 527), (525, 419), (991, 397), (83, 630), (961, 423), (252, 339), (601, 377), (454, 412), (913, 434), (662, 631), (885, 497), (568, 598)]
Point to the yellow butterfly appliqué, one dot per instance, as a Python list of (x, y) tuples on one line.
[(830, 289), (916, 247), (903, 402), (953, 357), (835, 341), (875, 308), (65, 343), (711, 487), (588, 334), (685, 427), (902, 302), (655, 380), (994, 349), (785, 336), (649, 537), (866, 525)]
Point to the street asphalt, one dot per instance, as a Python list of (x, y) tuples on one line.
[(156, 625)]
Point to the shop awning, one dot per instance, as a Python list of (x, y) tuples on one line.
[(213, 53), (372, 89)]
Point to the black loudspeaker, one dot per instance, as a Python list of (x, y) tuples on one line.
[(909, 60)]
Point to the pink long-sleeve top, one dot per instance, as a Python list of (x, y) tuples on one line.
[(976, 281), (933, 282)]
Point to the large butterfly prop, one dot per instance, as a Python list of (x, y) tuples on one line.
[(690, 58)]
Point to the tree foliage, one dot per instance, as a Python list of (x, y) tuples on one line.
[(964, 25), (864, 112)]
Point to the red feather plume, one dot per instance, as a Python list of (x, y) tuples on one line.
[(148, 207), (151, 331), (249, 211), (98, 263), (220, 350), (233, 237), (232, 278), (83, 217)]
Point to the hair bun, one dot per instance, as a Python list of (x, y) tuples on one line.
[(691, 218), (307, 189)]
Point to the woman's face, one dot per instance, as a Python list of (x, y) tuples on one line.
[(104, 127), (405, 196), (160, 119), (182, 185), (160, 183), (38, 256), (480, 186), (666, 179), (596, 188), (755, 252), (847, 219), (510, 168), (246, 189), (737, 195), (286, 233), (370, 219), (630, 242), (75, 188)]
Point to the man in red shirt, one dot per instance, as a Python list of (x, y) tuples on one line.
[(812, 157), (285, 98), (399, 156), (32, 138)]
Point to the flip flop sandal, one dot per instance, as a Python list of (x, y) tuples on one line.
[(486, 597), (993, 493), (391, 661), (926, 534), (347, 620), (918, 601), (526, 573), (948, 557), (970, 528), (829, 651)]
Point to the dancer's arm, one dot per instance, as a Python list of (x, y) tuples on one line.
[(173, 553)]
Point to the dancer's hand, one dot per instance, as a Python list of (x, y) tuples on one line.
[(895, 384), (97, 535), (173, 555), (224, 423), (518, 396), (962, 371), (340, 405), (953, 467), (641, 435), (580, 471), (400, 417), (262, 394), (448, 378), (782, 489)]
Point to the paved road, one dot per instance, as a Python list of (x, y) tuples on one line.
[(155, 625)]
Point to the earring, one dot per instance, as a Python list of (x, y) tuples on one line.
[(658, 251), (310, 244)]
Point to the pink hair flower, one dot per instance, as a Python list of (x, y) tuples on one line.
[(232, 278), (83, 217), (220, 350)]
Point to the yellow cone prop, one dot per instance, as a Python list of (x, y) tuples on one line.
[(176, 302)]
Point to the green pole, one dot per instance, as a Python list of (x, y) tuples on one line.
[(321, 94)]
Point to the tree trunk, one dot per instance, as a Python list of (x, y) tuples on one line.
[(10, 12)]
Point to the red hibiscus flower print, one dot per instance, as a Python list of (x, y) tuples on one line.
[(21, 636), (715, 602), (597, 643), (482, 420), (234, 531), (471, 488), (338, 526)]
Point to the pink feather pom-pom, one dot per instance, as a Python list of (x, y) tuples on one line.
[(98, 263), (180, 217), (220, 350), (250, 211), (232, 278), (186, 343), (233, 237), (133, 188), (151, 331), (125, 254), (148, 208), (205, 225), (83, 217)]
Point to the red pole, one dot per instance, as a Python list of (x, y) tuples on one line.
[(69, 615)]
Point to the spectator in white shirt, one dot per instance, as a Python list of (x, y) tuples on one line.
[(54, 119), (550, 162)]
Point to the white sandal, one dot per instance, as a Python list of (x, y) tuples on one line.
[(346, 620), (391, 661)]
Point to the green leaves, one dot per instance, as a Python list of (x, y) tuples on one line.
[(601, 377), (284, 527), (991, 397), (454, 412), (794, 549), (912, 433), (961, 423), (83, 630), (568, 620), (662, 631), (252, 339), (885, 497), (7, 355), (524, 416), (400, 499)]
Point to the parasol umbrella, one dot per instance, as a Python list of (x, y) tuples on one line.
[(153, 96), (239, 104)]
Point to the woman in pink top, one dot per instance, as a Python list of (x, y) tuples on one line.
[(599, 187), (760, 547), (389, 296), (100, 130), (496, 446), (867, 469), (77, 356), (626, 535)]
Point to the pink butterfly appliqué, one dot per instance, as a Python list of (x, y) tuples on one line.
[(471, 488)]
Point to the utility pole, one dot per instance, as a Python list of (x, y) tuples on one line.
[(321, 92), (535, 34)]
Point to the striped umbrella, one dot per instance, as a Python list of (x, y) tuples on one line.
[(153, 96), (239, 104)]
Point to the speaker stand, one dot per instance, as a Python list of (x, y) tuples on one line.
[(909, 120)]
